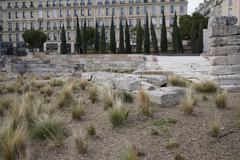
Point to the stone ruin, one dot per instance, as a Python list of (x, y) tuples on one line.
[(224, 51)]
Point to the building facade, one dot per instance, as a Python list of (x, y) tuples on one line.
[(50, 15), (221, 8)]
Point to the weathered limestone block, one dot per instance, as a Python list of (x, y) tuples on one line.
[(233, 59), (147, 86), (223, 21), (157, 80), (218, 60), (221, 31), (224, 41), (225, 70), (224, 50), (127, 83), (167, 96), (87, 75), (227, 79)]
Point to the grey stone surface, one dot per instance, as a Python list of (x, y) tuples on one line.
[(167, 96), (157, 80)]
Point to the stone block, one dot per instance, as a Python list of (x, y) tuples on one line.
[(224, 50), (218, 60), (223, 21), (166, 96), (228, 79), (233, 59), (224, 41), (127, 83), (157, 80), (221, 31), (225, 70)]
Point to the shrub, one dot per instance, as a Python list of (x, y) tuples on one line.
[(91, 131), (49, 126), (80, 141), (106, 96), (46, 90), (56, 82), (177, 81), (215, 130), (93, 93), (206, 87), (118, 113), (144, 103), (130, 153), (65, 97), (221, 99), (188, 102), (13, 141), (78, 110), (4, 104), (83, 83)]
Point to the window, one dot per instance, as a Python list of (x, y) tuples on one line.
[(48, 13), (230, 12), (162, 9), (61, 13), (181, 9), (130, 10), (230, 2), (31, 14), (89, 12), (10, 37), (113, 11), (48, 25), (75, 12), (69, 12), (107, 11), (82, 12), (9, 15), (16, 15), (54, 13), (122, 11), (69, 35), (172, 9), (100, 11), (138, 10), (23, 14), (153, 10)]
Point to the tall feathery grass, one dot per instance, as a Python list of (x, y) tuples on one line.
[(144, 103), (176, 80), (65, 97), (205, 87), (106, 96), (93, 93), (221, 99), (130, 153), (81, 142), (216, 126), (78, 110), (188, 102)]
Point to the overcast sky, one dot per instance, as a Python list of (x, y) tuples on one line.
[(192, 4)]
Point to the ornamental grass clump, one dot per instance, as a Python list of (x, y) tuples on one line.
[(143, 100), (65, 97), (176, 80), (188, 102), (205, 87), (106, 96), (78, 110), (81, 142), (221, 99)]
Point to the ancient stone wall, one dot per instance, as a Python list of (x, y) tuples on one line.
[(224, 50), (73, 64)]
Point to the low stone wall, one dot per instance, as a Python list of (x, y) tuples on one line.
[(224, 50), (73, 64)]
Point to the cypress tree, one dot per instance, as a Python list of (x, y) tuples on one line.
[(194, 38), (176, 37), (78, 38), (146, 37), (127, 37), (154, 38), (112, 37), (84, 37), (96, 38), (164, 43), (139, 37), (63, 41), (121, 38), (200, 38), (102, 40)]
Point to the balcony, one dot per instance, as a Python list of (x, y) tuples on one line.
[(31, 6), (40, 6), (48, 5), (75, 4), (17, 29), (9, 7)]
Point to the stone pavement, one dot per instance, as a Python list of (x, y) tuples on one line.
[(196, 68)]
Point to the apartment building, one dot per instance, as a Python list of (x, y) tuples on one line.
[(50, 15)]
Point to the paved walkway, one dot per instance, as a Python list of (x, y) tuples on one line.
[(195, 68)]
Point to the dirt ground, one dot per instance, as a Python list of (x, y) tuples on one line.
[(191, 133)]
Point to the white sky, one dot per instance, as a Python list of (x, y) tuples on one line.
[(192, 4)]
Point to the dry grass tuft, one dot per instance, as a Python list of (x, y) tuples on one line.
[(65, 97), (80, 141), (106, 96), (179, 157), (127, 97), (221, 99), (216, 127), (56, 82), (171, 144), (188, 102), (4, 104), (118, 113), (46, 90), (83, 83), (13, 141), (93, 93), (130, 153), (206, 87), (49, 126), (91, 131), (176, 80), (78, 110), (144, 103)]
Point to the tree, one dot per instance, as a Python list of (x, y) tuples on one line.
[(127, 38), (176, 37), (164, 43), (121, 38), (102, 40), (185, 23), (194, 37), (154, 38), (112, 37), (96, 38), (146, 37), (78, 38), (139, 37), (84, 37), (200, 38), (34, 38), (63, 41)]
